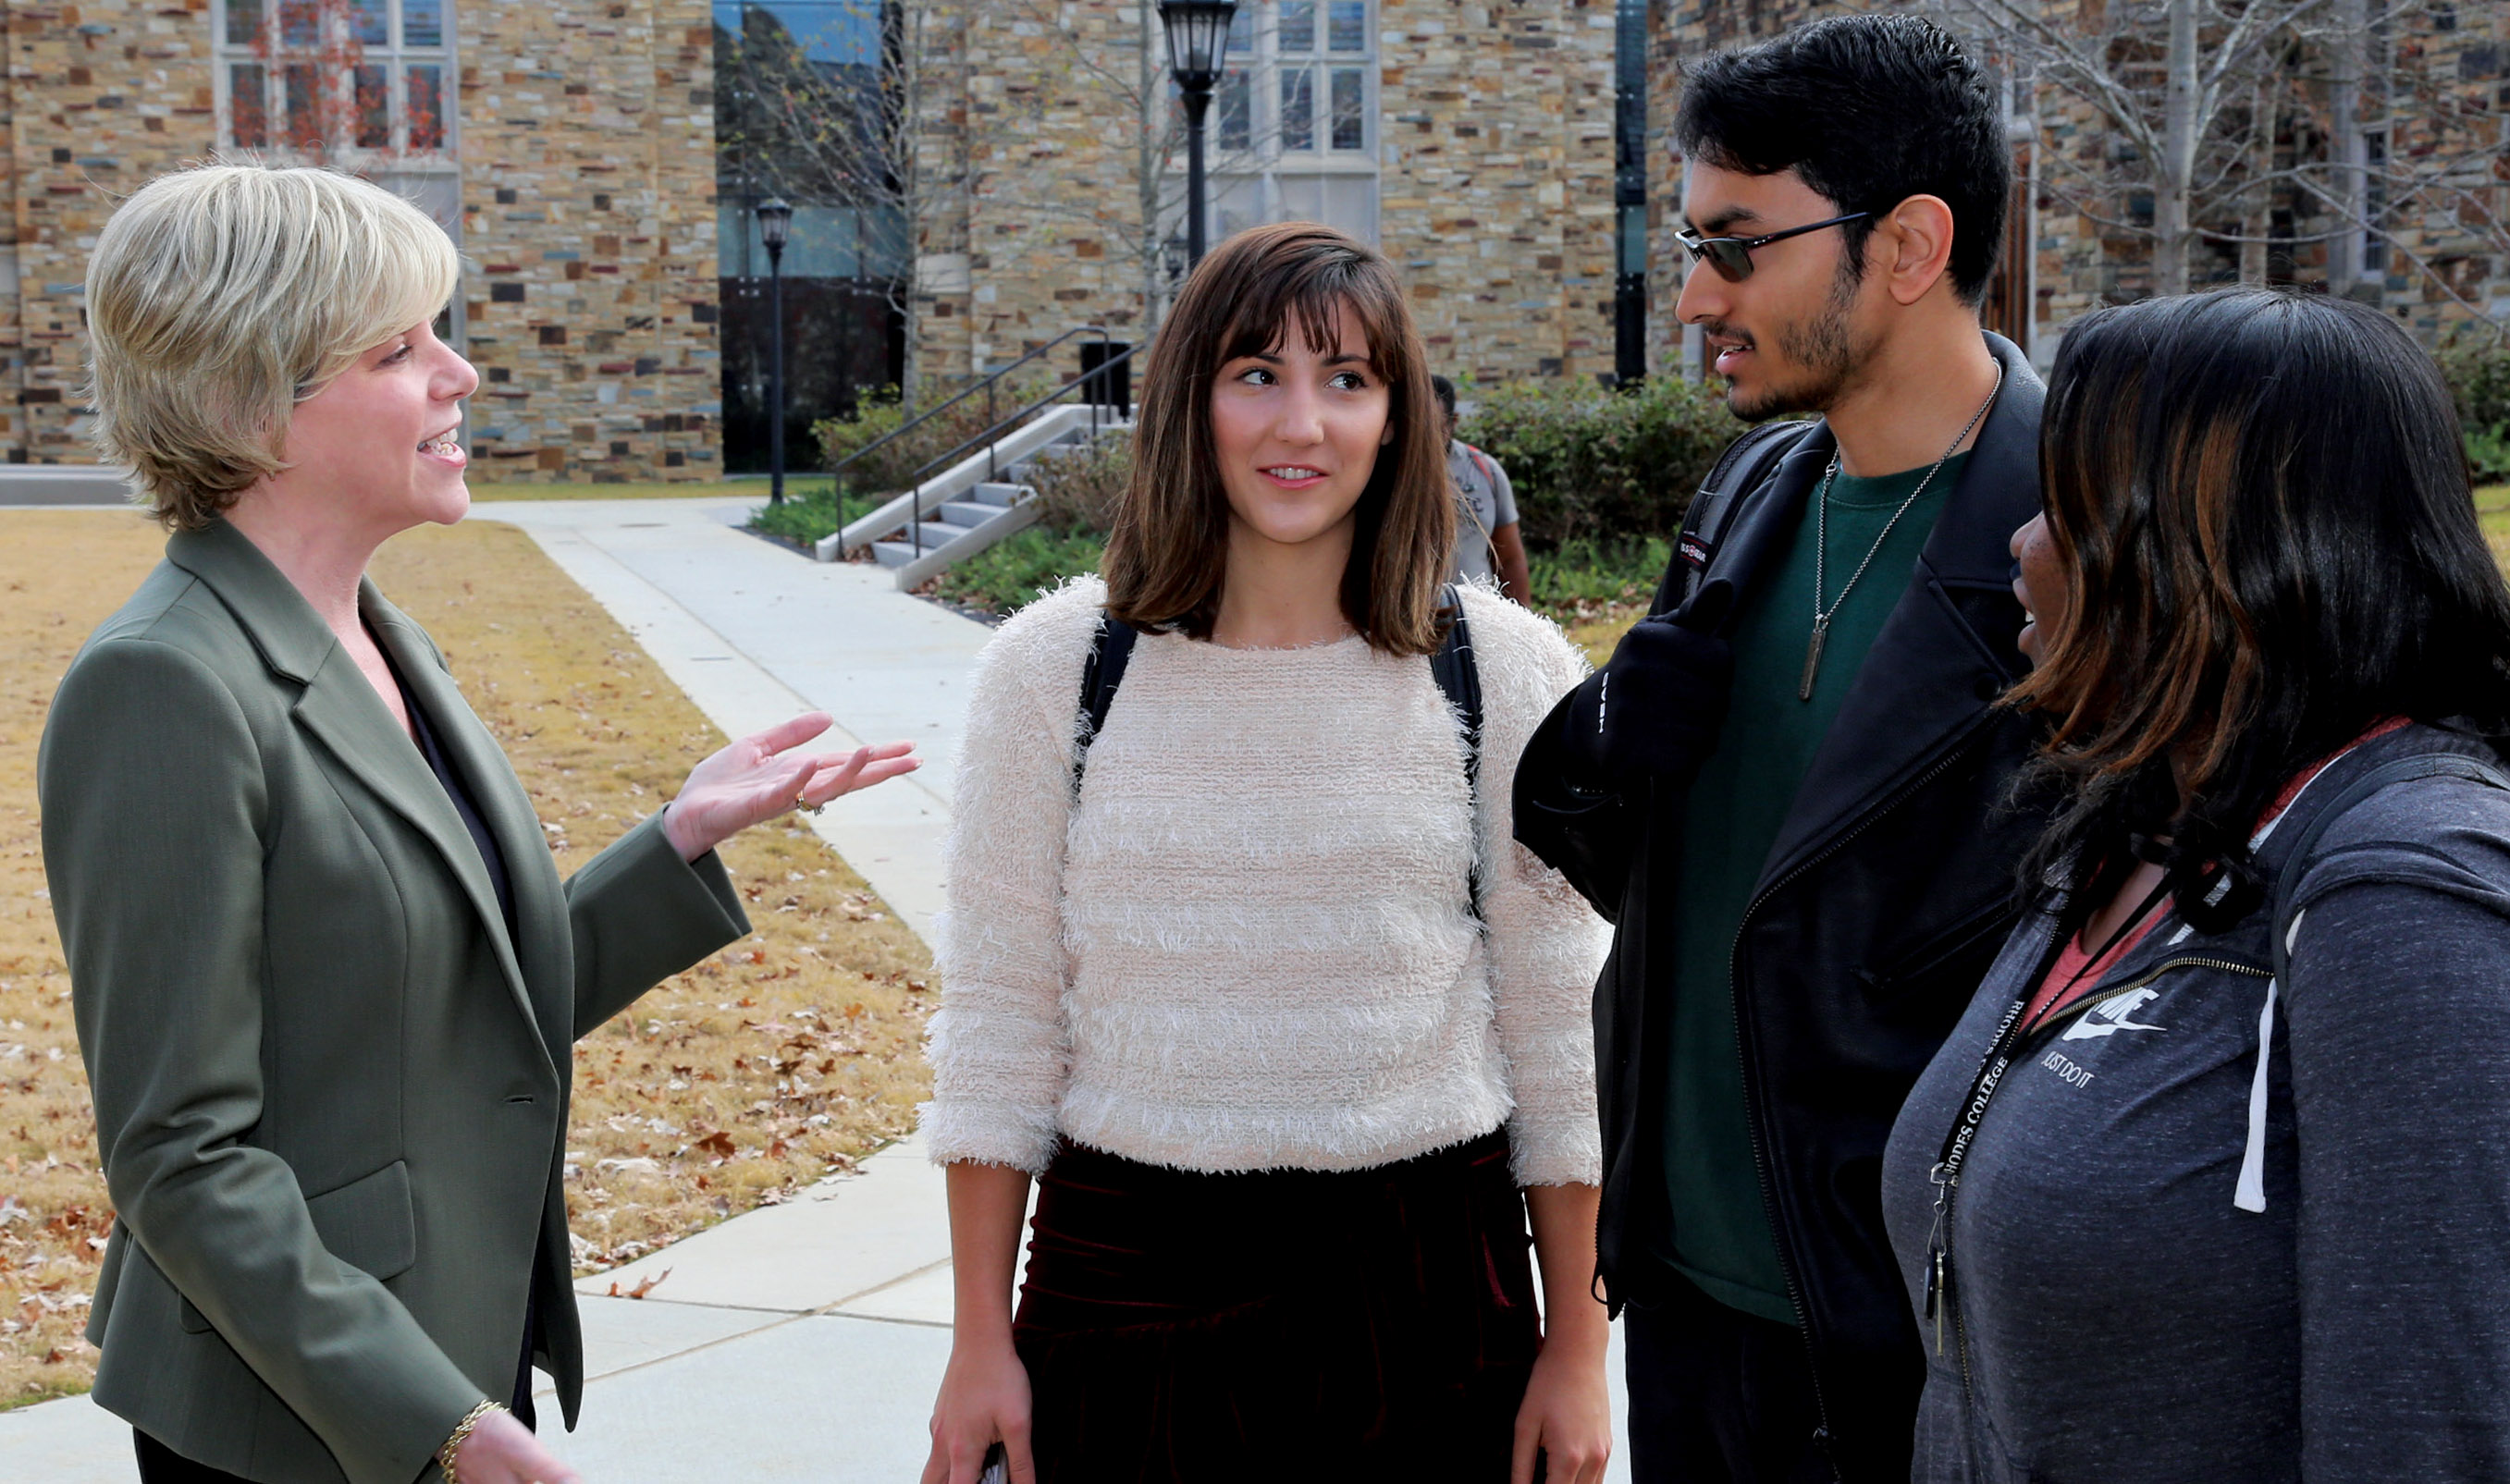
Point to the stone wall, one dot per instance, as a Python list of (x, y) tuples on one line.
[(1495, 196), (585, 139), (1495, 179), (588, 204), (103, 96)]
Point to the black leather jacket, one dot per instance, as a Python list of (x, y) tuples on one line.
[(1885, 896)]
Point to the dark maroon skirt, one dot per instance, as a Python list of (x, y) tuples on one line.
[(1285, 1324)]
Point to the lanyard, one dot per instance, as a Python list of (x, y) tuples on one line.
[(1945, 1174), (2012, 1031)]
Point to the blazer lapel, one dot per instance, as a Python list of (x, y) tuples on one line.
[(340, 710), (541, 947), (1946, 651)]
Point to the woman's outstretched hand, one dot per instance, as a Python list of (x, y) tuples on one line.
[(753, 781)]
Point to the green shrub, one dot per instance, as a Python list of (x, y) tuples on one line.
[(1078, 492), (1015, 569), (886, 470), (2476, 361), (2488, 449), (1597, 466), (1583, 577), (810, 511)]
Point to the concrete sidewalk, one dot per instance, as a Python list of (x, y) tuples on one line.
[(798, 1344)]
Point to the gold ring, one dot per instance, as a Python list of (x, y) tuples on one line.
[(802, 804)]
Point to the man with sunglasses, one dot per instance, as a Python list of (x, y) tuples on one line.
[(1787, 787)]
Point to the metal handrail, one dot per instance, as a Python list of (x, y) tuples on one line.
[(986, 385), (993, 436)]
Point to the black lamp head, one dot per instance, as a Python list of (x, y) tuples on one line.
[(1198, 40), (775, 221)]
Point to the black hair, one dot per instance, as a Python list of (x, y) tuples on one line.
[(1445, 390), (1868, 110), (2262, 512)]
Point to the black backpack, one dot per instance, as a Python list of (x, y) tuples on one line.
[(1458, 680)]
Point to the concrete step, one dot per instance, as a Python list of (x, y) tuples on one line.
[(63, 484), (999, 493), (967, 515), (891, 554)]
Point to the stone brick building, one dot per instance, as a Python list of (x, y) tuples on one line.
[(2439, 260), (566, 144), (1472, 139)]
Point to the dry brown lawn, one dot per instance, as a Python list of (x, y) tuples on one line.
[(1596, 631), (775, 1063)]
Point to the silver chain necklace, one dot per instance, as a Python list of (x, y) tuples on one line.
[(1821, 540)]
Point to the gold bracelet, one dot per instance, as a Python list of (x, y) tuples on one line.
[(462, 1435)]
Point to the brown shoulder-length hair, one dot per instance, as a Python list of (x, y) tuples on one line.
[(1167, 554), (2262, 513)]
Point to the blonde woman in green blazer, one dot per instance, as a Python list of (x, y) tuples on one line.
[(327, 977)]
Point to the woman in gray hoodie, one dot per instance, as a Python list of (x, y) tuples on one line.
[(2213, 1181)]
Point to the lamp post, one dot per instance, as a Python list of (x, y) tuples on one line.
[(1197, 49), (774, 220)]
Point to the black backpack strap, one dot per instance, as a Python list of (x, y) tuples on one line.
[(1738, 471), (2304, 848), (1459, 681), (1109, 651)]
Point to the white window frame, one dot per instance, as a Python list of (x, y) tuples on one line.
[(331, 51), (1262, 164)]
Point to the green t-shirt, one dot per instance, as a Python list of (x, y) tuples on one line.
[(1720, 1236)]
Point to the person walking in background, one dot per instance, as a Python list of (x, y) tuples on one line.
[(2210, 1181), (1788, 787), (326, 978), (1241, 964), (1488, 542)]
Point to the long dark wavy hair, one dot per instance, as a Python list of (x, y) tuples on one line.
[(2267, 524)]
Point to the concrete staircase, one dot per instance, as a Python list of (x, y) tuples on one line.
[(973, 504)]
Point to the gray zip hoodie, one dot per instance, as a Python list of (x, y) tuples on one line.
[(2212, 1227)]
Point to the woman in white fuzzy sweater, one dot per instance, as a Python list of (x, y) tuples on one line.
[(1223, 992)]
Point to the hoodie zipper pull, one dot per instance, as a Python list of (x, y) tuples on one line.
[(1935, 1286)]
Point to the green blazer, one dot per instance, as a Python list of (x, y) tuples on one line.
[(330, 1092)]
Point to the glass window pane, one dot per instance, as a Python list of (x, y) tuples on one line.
[(1298, 25), (1241, 34), (422, 22), (367, 21), (301, 126), (300, 22), (1237, 106), (248, 105), (425, 107), (1347, 25), (374, 107), (1350, 114), (1298, 109), (244, 22)]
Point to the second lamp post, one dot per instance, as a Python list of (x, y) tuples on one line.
[(774, 220), (1198, 53)]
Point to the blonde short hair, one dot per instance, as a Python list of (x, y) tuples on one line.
[(222, 296)]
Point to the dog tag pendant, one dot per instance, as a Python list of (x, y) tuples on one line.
[(1812, 656)]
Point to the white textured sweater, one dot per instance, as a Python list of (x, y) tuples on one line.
[(1248, 943)]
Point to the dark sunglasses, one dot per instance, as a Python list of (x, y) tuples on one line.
[(1732, 256)]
